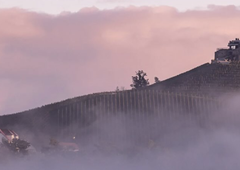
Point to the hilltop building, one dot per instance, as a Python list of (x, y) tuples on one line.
[(226, 55)]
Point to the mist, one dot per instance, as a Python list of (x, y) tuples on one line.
[(169, 143)]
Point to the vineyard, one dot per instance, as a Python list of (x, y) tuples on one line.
[(192, 96), (211, 79)]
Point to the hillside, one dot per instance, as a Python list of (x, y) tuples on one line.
[(212, 79), (192, 94)]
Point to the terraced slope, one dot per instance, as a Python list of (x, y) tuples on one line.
[(212, 79), (140, 108), (184, 95)]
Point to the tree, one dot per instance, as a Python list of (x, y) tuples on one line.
[(16, 145), (139, 80), (156, 80)]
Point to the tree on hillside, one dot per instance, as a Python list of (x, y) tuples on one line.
[(156, 80), (139, 80)]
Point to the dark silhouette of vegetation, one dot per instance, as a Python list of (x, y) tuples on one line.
[(17, 145), (156, 80), (139, 80), (118, 89)]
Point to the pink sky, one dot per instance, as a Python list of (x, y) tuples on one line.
[(49, 58)]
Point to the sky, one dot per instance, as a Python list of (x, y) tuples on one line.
[(48, 56), (58, 6)]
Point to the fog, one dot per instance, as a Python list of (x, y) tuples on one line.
[(166, 143)]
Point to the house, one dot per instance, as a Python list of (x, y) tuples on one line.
[(227, 55)]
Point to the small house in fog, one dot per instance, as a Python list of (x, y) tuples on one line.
[(226, 55)]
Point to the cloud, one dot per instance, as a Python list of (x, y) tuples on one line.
[(48, 58)]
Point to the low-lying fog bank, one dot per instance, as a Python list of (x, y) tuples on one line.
[(180, 144)]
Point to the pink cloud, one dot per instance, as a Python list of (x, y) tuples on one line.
[(45, 58), (18, 23)]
